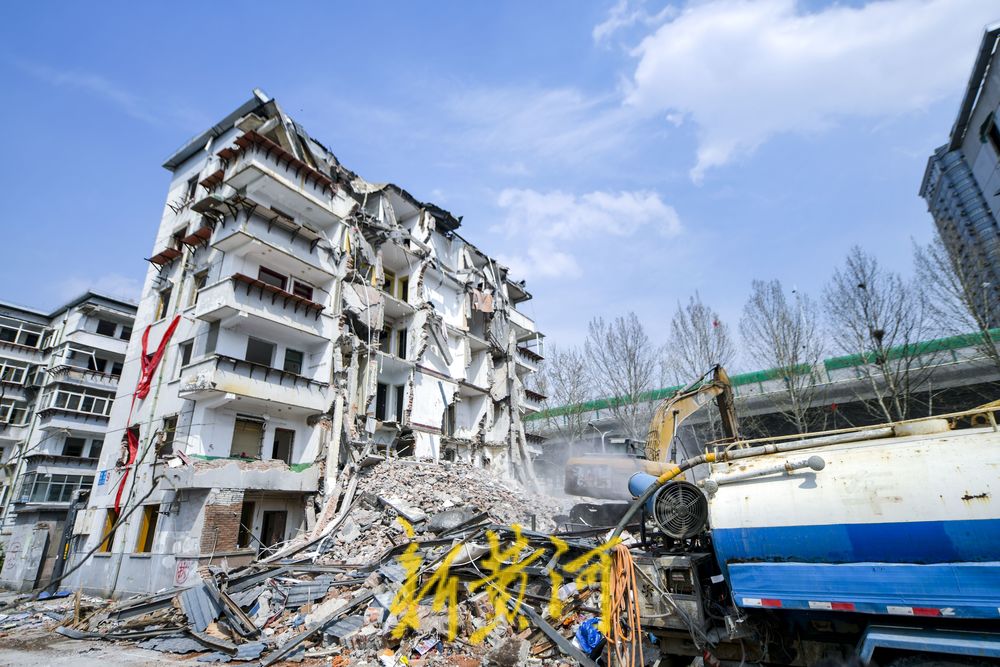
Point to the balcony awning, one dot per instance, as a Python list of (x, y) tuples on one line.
[(213, 180), (164, 257), (198, 237)]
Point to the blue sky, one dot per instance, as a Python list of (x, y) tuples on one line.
[(619, 155)]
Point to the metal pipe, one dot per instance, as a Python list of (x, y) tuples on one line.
[(815, 462)]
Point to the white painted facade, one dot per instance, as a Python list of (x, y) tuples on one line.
[(59, 373)]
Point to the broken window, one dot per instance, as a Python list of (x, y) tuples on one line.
[(259, 351), (283, 441), (272, 278), (381, 398), (248, 435), (126, 333), (109, 530), (448, 422), (73, 446), (293, 361), (302, 289), (96, 445), (389, 283), (212, 337), (96, 364), (197, 283), (246, 526), (147, 529), (167, 432), (116, 368), (401, 343), (177, 237), (399, 404), (272, 527), (404, 289), (184, 355), (191, 189), (163, 303), (106, 328)]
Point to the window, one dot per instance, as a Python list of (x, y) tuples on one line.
[(448, 423), (197, 283), (176, 237), (212, 337), (246, 526), (283, 441), (110, 519), (126, 333), (95, 364), (404, 289), (302, 289), (293, 361), (147, 529), (163, 303), (73, 446), (184, 355), (381, 397), (116, 368), (167, 432), (401, 343), (399, 404), (106, 328), (389, 284), (95, 448), (259, 351), (272, 278), (192, 187), (47, 488), (248, 435)]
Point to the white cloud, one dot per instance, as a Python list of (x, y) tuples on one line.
[(560, 124), (111, 284), (625, 14), (550, 221), (745, 71), (96, 85)]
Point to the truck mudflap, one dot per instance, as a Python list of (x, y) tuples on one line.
[(920, 640)]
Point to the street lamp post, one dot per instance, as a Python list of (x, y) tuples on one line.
[(603, 435)]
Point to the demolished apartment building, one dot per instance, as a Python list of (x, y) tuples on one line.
[(295, 318)]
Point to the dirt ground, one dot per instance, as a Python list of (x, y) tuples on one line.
[(37, 646)]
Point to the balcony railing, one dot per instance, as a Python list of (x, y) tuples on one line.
[(84, 376), (221, 375)]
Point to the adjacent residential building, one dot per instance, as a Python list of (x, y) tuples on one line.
[(294, 318), (962, 181), (58, 375)]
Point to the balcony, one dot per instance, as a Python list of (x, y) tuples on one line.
[(269, 310), (533, 401), (244, 474), (220, 380), (277, 242), (524, 326), (83, 377), (268, 173), (527, 359), (96, 341)]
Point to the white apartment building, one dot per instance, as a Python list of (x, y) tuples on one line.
[(58, 376), (319, 318)]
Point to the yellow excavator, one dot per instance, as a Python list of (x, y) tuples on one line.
[(606, 475)]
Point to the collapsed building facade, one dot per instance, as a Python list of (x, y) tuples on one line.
[(59, 371), (295, 319)]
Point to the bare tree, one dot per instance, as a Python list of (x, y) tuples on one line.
[(623, 365), (875, 314), (959, 295), (699, 339), (784, 335), (565, 379)]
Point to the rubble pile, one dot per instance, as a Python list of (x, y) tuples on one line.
[(415, 491), (462, 580)]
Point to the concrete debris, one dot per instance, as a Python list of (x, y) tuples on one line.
[(348, 597)]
